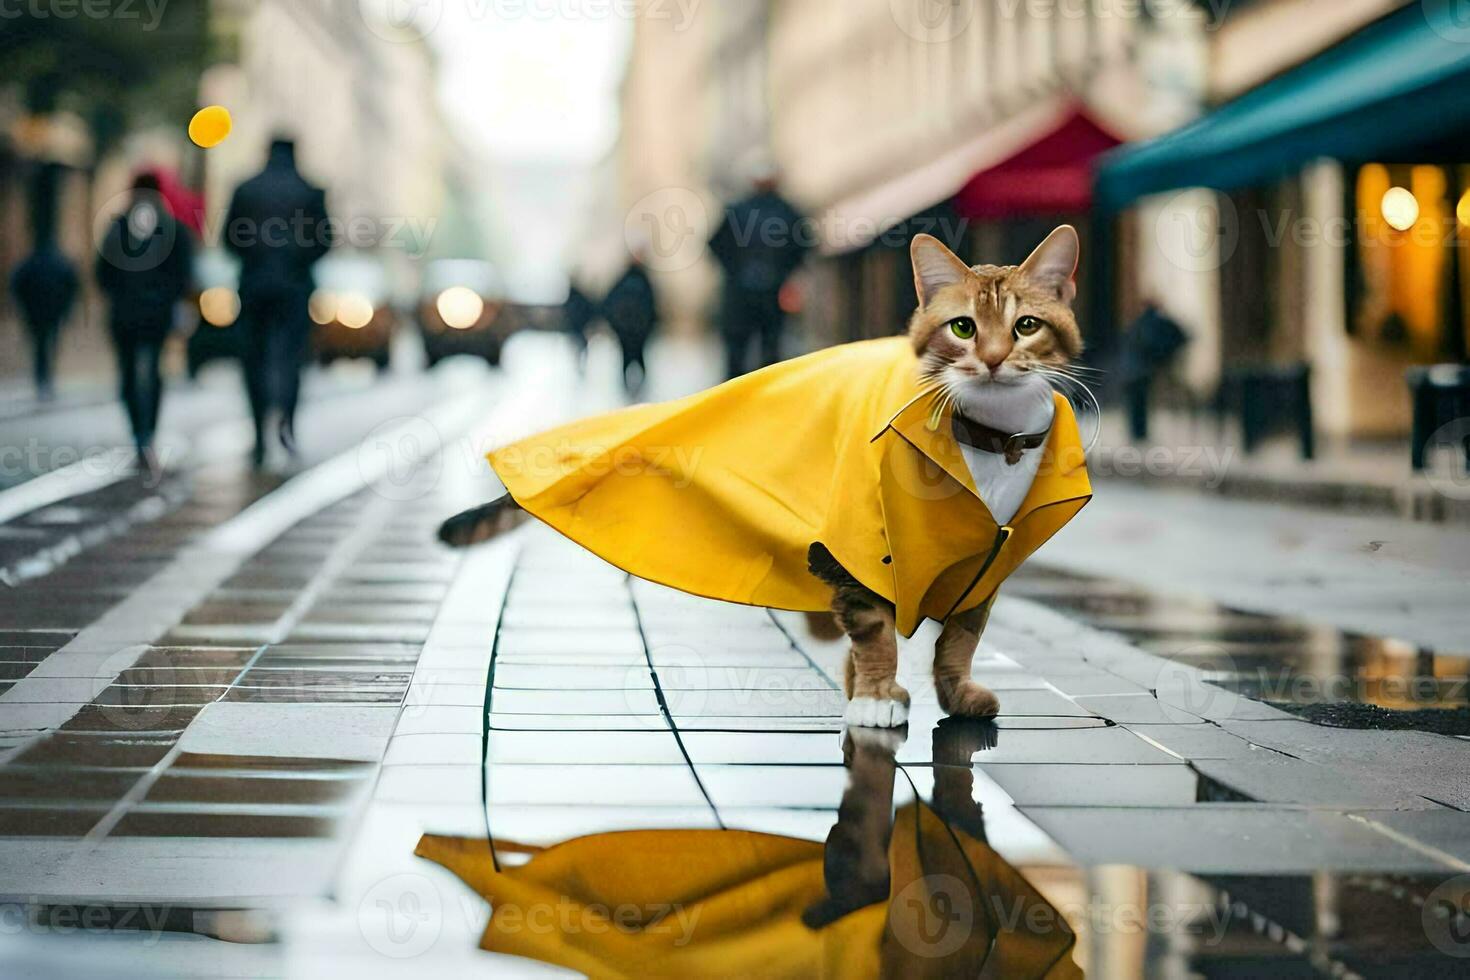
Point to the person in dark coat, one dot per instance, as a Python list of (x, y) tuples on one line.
[(1151, 348), (760, 243), (577, 315), (144, 267), (631, 310), (45, 283), (277, 226), (45, 288)]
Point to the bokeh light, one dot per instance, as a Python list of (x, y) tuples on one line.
[(1400, 208), (460, 307)]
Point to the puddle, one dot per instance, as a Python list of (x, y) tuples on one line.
[(909, 879), (1326, 675)]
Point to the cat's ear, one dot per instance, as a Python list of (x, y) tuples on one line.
[(1054, 262), (935, 267)]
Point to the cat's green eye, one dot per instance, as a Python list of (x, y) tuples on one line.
[(1028, 325), (963, 328)]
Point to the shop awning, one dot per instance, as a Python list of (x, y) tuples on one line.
[(1052, 175), (1400, 81)]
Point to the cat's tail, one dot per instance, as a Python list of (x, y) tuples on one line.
[(482, 523)]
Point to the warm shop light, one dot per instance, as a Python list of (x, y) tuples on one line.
[(1462, 210), (220, 306), (354, 312), (323, 307), (460, 307), (1400, 208)]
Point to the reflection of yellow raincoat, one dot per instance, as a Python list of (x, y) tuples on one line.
[(721, 494), (718, 903)]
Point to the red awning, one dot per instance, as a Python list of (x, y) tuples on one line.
[(1053, 175)]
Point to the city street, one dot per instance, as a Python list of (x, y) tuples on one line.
[(234, 706), (791, 489)]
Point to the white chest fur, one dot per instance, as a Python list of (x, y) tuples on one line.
[(1023, 407)]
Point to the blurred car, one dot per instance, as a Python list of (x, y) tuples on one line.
[(461, 307), (217, 305), (351, 309)]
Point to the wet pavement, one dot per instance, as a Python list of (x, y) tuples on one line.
[(266, 729)]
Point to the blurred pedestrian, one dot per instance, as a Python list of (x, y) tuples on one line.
[(1151, 349), (45, 283), (45, 288), (759, 244), (277, 226), (144, 267), (631, 309), (577, 315)]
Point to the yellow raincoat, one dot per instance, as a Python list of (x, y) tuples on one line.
[(722, 493), (729, 903)]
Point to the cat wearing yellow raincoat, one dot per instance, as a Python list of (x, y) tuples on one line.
[(890, 481)]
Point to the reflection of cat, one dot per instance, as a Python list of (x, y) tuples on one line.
[(917, 893), (891, 480)]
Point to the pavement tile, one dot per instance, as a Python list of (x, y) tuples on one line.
[(1081, 746), (1139, 709), (434, 749), (431, 692), (773, 785), (173, 787), (1243, 839), (552, 824), (757, 723), (69, 820), (32, 784), (595, 643), (67, 749), (1442, 829), (594, 786), (1080, 785), (771, 748), (624, 702), (584, 748), (587, 723), (335, 731), (1273, 778), (563, 677), (1431, 765), (1192, 742), (441, 720), (431, 785)]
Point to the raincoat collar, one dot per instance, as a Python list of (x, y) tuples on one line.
[(1061, 476)]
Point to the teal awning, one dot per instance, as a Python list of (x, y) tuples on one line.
[(1399, 82)]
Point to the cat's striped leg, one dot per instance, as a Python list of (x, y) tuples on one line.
[(875, 699), (954, 652)]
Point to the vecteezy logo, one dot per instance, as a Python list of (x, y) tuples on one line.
[(1450, 19), (1446, 917), (1185, 683), (1447, 460), (401, 916), (668, 228), (933, 916), (401, 458), (401, 21), (933, 21), (1197, 230)]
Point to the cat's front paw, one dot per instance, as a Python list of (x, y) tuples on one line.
[(876, 713), (968, 699), (881, 705)]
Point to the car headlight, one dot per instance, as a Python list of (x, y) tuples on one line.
[(354, 312), (219, 306), (323, 307), (460, 307)]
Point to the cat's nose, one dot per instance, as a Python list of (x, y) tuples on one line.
[(994, 359)]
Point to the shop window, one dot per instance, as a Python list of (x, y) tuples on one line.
[(1409, 267)]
